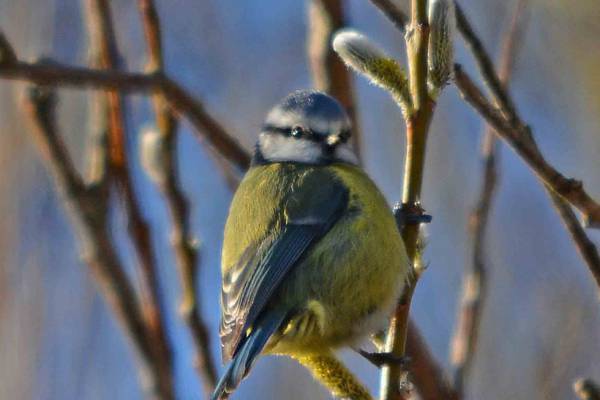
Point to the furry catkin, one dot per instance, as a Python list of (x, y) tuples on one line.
[(335, 376)]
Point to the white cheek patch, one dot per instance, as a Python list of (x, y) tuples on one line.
[(283, 148), (345, 153)]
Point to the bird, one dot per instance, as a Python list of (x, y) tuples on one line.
[(312, 259)]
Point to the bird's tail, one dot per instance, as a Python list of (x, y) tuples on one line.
[(246, 354)]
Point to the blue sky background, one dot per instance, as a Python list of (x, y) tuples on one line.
[(541, 326)]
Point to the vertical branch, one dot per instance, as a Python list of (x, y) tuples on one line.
[(107, 57), (382, 70), (328, 72), (186, 252), (417, 126), (474, 289)]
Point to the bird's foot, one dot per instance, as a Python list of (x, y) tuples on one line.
[(406, 215), (382, 359)]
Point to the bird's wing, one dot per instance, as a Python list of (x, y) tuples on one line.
[(309, 212)]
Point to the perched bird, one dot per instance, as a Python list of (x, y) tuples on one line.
[(312, 259)]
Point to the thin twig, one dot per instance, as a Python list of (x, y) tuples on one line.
[(586, 248), (186, 252), (102, 29), (587, 389), (88, 211), (328, 72), (417, 127), (474, 289), (516, 132), (486, 65), (521, 140), (392, 12), (207, 128)]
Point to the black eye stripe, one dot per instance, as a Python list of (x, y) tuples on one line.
[(315, 136)]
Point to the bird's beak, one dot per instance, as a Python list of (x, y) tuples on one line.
[(333, 140)]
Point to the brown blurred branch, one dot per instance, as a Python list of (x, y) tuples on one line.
[(186, 252), (474, 287), (521, 140), (107, 56), (587, 389), (88, 209), (428, 376), (327, 70), (514, 131), (392, 12), (206, 127), (7, 53)]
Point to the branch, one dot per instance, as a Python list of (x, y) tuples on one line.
[(586, 248), (392, 12), (367, 59), (486, 66), (474, 289), (206, 127), (107, 57), (515, 131), (88, 210), (417, 127), (586, 389), (327, 70), (521, 140), (428, 376), (186, 252)]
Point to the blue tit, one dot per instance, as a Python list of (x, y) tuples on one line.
[(312, 259)]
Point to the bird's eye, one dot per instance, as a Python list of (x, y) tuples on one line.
[(297, 132)]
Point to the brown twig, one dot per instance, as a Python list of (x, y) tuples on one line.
[(392, 12), (88, 210), (486, 65), (515, 131), (474, 288), (186, 252), (327, 70), (207, 128), (586, 248), (428, 376), (107, 57), (521, 140), (586, 389)]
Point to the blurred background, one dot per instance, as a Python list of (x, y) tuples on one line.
[(541, 324)]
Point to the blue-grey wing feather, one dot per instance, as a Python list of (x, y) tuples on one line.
[(311, 210)]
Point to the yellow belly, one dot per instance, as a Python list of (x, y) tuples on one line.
[(351, 279), (348, 282)]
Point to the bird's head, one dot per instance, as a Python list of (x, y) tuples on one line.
[(307, 127)]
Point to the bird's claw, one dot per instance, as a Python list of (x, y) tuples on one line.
[(382, 359), (406, 215)]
